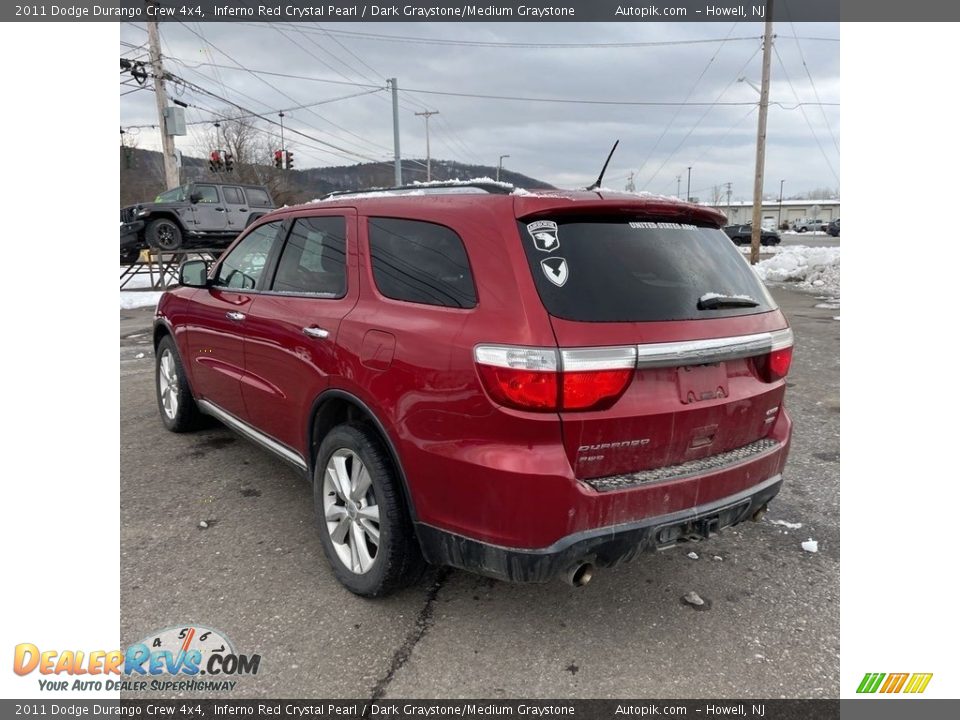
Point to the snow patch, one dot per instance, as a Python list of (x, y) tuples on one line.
[(811, 267), (784, 523), (810, 545), (133, 300)]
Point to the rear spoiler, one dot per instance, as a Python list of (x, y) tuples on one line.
[(616, 204)]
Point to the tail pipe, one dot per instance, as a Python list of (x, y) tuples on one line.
[(579, 574)]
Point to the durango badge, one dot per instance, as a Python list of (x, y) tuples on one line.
[(544, 234), (555, 268)]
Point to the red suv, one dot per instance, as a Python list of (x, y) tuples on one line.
[(522, 385)]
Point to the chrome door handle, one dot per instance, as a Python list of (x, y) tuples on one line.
[(238, 316), (316, 332)]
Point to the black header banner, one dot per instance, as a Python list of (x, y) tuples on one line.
[(483, 11)]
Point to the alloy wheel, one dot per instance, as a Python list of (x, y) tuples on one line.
[(351, 512), (169, 385)]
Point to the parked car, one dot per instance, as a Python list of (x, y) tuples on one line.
[(521, 385), (833, 229), (808, 225), (743, 234), (203, 214)]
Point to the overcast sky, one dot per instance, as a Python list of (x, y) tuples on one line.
[(563, 144)]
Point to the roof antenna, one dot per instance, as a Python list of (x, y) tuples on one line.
[(600, 178)]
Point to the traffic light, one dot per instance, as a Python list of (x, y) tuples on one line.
[(216, 162), (228, 161), (289, 160), (278, 159)]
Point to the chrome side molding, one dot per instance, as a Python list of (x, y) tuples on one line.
[(252, 434)]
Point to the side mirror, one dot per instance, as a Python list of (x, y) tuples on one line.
[(195, 197), (193, 273)]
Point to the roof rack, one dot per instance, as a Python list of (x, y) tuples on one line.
[(435, 188)]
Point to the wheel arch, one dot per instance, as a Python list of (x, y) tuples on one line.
[(164, 215), (335, 407)]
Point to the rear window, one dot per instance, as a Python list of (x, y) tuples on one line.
[(619, 271), (258, 197)]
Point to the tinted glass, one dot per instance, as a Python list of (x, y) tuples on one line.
[(175, 195), (637, 271), (420, 262), (243, 267), (233, 195), (208, 193), (314, 258), (257, 197)]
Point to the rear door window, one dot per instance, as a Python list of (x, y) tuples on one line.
[(258, 197), (314, 259), (420, 262), (619, 271), (233, 195)]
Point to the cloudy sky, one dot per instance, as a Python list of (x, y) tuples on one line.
[(562, 143)]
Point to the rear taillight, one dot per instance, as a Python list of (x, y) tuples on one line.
[(776, 364), (540, 379)]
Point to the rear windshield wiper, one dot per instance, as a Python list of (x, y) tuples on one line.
[(715, 301)]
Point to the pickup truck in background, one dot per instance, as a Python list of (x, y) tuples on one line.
[(203, 214)]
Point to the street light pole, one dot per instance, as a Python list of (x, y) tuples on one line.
[(761, 136), (426, 121), (688, 183), (678, 186), (500, 166), (780, 204)]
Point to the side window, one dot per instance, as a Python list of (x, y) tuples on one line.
[(233, 195), (175, 195), (243, 267), (420, 262), (208, 193), (314, 259), (258, 197)]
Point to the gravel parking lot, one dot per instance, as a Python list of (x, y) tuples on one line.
[(258, 574)]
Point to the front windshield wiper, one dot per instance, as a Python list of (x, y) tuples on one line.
[(715, 301)]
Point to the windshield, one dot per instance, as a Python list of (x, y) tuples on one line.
[(175, 195), (619, 271)]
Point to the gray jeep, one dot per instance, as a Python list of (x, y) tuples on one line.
[(201, 214)]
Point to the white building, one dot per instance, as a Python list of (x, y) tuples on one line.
[(773, 213)]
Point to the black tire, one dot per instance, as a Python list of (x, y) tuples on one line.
[(801, 229), (185, 414), (129, 255), (164, 234), (397, 562)]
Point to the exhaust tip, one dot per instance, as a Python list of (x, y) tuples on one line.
[(758, 515), (579, 574)]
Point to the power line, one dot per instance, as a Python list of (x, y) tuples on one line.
[(501, 44), (804, 113), (289, 97), (704, 116), (676, 112)]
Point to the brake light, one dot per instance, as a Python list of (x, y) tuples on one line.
[(540, 380), (776, 364)]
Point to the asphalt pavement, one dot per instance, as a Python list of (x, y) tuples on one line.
[(257, 573)]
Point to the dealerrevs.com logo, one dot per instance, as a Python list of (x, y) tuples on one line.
[(181, 658), (910, 683)]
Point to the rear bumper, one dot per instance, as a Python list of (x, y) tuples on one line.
[(604, 547)]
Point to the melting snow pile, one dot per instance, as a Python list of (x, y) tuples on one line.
[(812, 267)]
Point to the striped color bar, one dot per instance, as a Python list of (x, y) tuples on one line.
[(914, 683)]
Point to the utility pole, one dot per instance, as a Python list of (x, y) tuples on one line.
[(397, 171), (761, 136), (688, 183), (780, 204), (170, 172), (500, 166), (426, 121), (729, 191), (283, 144), (678, 187)]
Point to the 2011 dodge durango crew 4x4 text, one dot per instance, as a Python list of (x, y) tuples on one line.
[(522, 385)]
